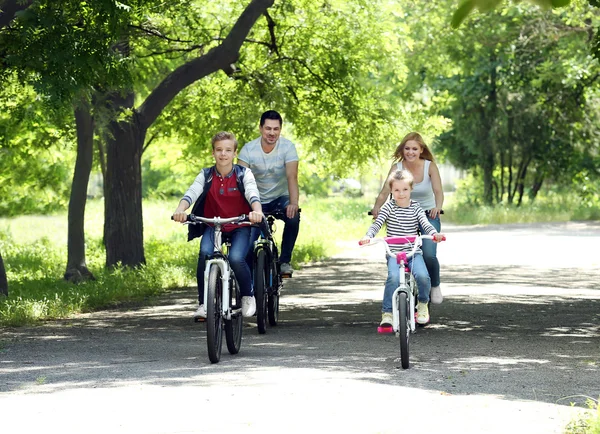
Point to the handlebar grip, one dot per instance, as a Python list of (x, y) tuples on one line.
[(189, 218)]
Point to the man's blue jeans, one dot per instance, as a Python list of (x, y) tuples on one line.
[(418, 269), (290, 231), (429, 249), (240, 244)]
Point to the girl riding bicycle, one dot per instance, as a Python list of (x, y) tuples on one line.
[(224, 190), (402, 217)]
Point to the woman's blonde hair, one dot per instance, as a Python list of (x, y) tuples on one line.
[(401, 175), (399, 152)]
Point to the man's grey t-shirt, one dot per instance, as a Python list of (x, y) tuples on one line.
[(269, 169)]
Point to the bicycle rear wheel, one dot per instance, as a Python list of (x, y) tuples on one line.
[(235, 325), (260, 291), (404, 329), (214, 319), (273, 302)]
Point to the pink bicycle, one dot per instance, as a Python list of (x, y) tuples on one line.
[(405, 295)]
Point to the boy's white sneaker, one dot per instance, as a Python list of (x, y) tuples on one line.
[(436, 295)]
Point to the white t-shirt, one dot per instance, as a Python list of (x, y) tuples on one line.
[(269, 169)]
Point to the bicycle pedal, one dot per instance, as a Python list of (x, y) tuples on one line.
[(286, 275), (199, 319), (386, 329)]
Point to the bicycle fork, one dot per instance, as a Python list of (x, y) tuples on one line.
[(398, 316), (225, 275)]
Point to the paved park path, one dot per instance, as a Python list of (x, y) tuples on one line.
[(516, 340)]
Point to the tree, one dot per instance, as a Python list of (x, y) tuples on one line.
[(515, 85), (3, 280)]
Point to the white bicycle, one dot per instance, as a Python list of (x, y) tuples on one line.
[(222, 296), (405, 295)]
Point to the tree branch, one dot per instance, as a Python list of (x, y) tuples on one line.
[(218, 58), (8, 9)]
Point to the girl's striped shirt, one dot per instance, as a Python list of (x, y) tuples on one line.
[(401, 221)]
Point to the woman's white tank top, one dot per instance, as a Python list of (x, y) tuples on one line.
[(423, 191)]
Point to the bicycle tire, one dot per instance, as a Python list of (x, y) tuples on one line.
[(214, 319), (260, 291), (404, 329), (234, 327), (273, 302)]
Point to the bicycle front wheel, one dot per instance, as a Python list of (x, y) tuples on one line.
[(214, 318), (404, 327), (235, 325), (260, 291), (273, 302)]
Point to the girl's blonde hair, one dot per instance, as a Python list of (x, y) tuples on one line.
[(399, 152), (400, 175)]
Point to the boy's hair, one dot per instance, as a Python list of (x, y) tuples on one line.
[(271, 114), (224, 135), (399, 152), (400, 175)]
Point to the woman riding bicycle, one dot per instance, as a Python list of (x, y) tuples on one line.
[(403, 216), (224, 190), (412, 154)]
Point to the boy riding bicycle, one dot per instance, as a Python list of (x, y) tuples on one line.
[(224, 190), (402, 217)]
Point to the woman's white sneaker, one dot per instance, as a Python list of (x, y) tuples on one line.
[(435, 295), (200, 312)]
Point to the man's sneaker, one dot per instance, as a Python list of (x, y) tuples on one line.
[(286, 268), (386, 319), (436, 295), (422, 313), (200, 312), (248, 306)]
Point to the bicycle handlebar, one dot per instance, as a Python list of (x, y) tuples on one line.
[(415, 240), (191, 218), (371, 212), (278, 213)]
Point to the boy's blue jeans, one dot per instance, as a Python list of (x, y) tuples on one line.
[(429, 249), (290, 230), (418, 269), (240, 244)]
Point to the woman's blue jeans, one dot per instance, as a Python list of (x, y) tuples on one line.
[(429, 249), (240, 244), (417, 268)]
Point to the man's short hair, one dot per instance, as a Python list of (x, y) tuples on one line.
[(271, 114)]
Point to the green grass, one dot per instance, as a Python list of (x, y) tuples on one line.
[(549, 208), (588, 423), (34, 249)]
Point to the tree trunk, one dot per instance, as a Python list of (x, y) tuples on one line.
[(537, 185), (3, 280), (489, 120), (77, 270), (123, 224)]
